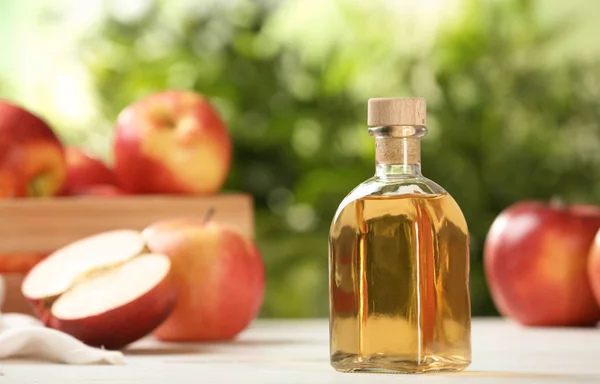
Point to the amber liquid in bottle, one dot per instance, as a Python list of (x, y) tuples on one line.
[(399, 276)]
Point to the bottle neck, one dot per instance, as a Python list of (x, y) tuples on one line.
[(385, 171), (398, 150)]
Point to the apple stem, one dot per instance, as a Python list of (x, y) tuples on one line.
[(208, 215), (557, 202)]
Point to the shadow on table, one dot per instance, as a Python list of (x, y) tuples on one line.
[(270, 342), (154, 348), (167, 350)]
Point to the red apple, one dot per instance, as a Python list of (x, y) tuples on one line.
[(103, 290), (100, 190), (536, 258), (8, 185), (84, 170), (171, 142), (32, 161), (594, 267), (220, 278)]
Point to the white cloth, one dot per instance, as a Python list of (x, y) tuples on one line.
[(24, 336)]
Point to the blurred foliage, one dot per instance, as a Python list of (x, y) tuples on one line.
[(505, 122)]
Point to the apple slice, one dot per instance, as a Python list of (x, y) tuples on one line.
[(63, 268), (117, 306)]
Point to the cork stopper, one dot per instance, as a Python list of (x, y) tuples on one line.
[(397, 111)]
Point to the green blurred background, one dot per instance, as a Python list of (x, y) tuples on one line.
[(513, 91)]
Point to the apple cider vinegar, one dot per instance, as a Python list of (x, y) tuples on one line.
[(399, 260)]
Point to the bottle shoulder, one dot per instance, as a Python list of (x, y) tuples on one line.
[(391, 187), (397, 187)]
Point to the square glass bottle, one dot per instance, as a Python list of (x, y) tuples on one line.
[(399, 260)]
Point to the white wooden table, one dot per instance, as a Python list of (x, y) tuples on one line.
[(297, 352)]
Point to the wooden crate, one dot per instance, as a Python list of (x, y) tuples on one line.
[(13, 300), (43, 225)]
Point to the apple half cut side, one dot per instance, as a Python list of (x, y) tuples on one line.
[(63, 268), (118, 306)]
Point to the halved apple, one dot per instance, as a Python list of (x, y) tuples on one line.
[(61, 269), (104, 289), (119, 306)]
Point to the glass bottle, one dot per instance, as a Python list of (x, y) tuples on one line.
[(399, 260)]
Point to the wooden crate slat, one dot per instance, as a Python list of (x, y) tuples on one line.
[(41, 225)]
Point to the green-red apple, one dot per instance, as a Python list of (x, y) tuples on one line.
[(32, 162), (84, 171), (219, 275), (171, 142), (536, 258)]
